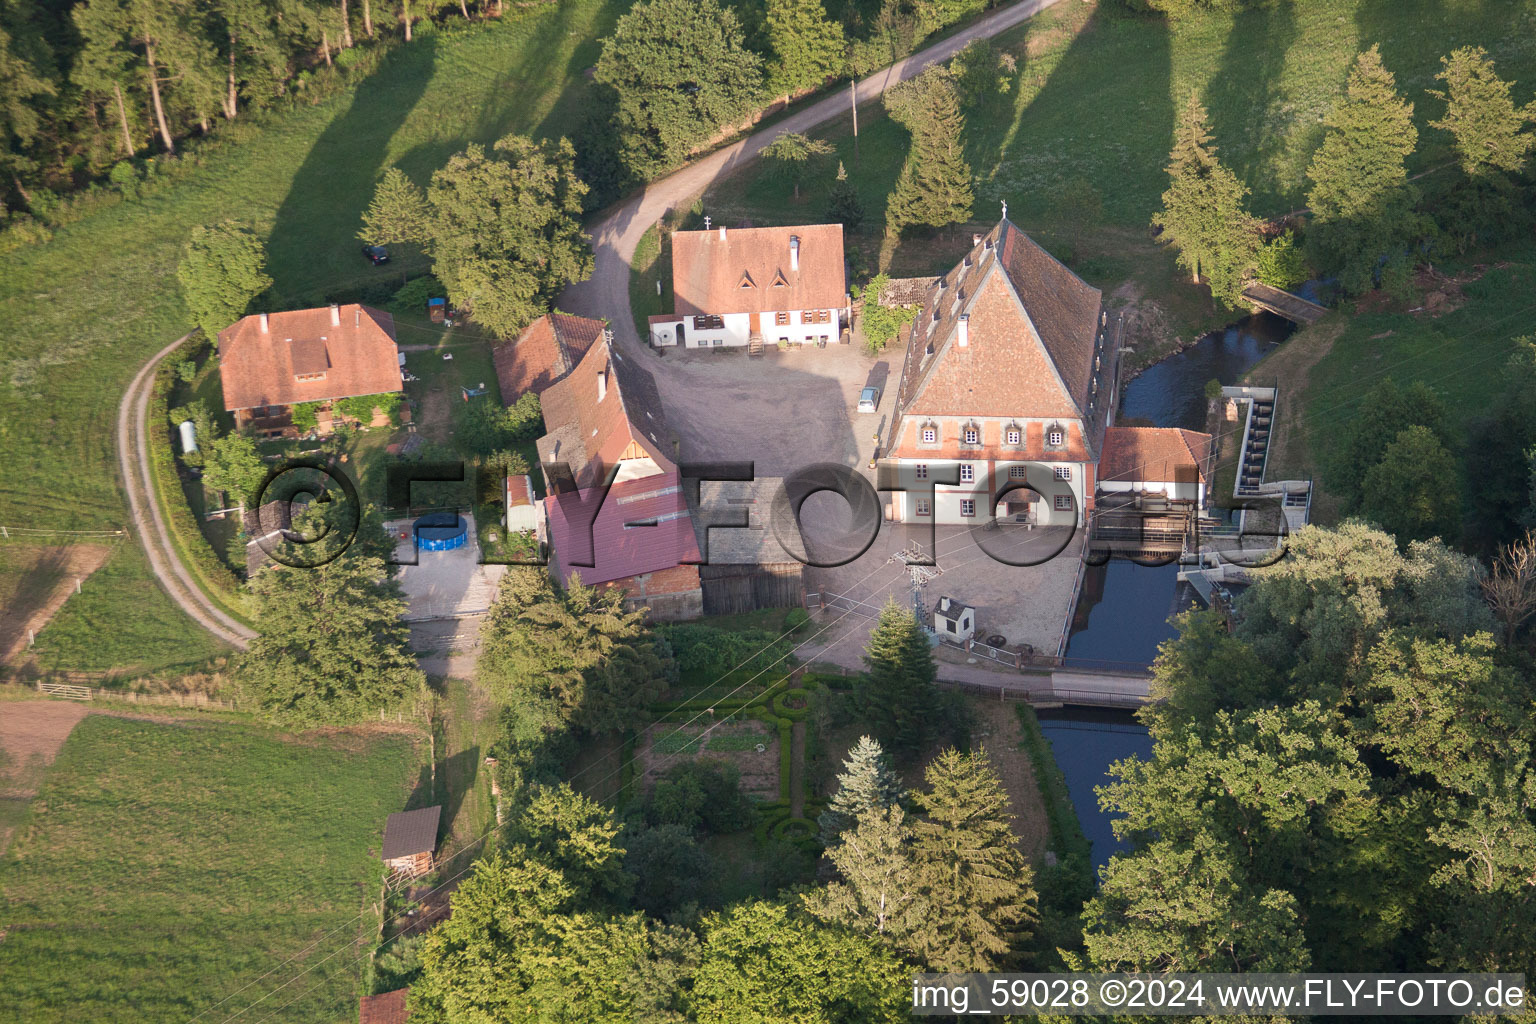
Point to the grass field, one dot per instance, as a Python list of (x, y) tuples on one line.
[(167, 864), (84, 311), (1078, 144)]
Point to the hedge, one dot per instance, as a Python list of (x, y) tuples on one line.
[(788, 828), (781, 707), (221, 584), (1074, 851)]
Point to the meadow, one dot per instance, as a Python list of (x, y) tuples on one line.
[(81, 313), (1078, 143), (167, 864)]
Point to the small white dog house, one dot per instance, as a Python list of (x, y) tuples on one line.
[(953, 620)]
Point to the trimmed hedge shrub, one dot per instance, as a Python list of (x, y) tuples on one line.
[(781, 703), (794, 829)]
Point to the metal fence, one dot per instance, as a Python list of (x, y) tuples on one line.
[(73, 691)]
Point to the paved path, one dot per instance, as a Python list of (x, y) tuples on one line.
[(149, 524), (606, 292)]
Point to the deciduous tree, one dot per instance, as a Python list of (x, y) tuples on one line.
[(805, 47), (222, 269), (573, 834), (793, 155), (681, 72), (1411, 491)]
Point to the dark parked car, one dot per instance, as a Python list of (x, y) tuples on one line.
[(377, 253)]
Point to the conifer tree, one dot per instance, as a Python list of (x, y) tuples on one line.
[(332, 648), (977, 887), (571, 657), (805, 47), (934, 188), (1203, 216), (1361, 201), (843, 204), (897, 696), (878, 893), (27, 76), (867, 783), (1488, 129)]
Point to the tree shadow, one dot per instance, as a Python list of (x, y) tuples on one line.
[(1245, 99), (325, 202)]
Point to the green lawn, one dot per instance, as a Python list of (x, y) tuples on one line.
[(166, 865), (84, 311), (1078, 145)]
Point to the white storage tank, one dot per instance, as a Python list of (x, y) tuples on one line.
[(188, 437)]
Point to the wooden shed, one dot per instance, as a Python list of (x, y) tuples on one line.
[(410, 840)]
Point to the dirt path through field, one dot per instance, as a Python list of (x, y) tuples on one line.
[(31, 733)]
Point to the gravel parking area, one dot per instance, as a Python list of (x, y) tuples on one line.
[(781, 410)]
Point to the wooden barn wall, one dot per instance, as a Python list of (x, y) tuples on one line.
[(734, 589)]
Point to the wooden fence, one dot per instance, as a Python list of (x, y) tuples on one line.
[(72, 691)]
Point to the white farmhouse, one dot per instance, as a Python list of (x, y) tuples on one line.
[(756, 286)]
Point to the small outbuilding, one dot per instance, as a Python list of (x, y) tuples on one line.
[(384, 1008), (953, 620), (410, 841)]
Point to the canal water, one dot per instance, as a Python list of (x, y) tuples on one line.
[(1122, 613)]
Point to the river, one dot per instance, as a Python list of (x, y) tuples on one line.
[(1122, 614)]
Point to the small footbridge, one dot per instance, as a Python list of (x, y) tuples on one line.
[(1282, 303)]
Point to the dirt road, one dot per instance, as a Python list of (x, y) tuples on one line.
[(606, 292), (149, 525)]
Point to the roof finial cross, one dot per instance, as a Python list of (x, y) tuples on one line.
[(1005, 209), (706, 222)]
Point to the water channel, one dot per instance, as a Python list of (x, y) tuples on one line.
[(1122, 614)]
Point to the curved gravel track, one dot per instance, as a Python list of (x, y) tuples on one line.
[(149, 524)]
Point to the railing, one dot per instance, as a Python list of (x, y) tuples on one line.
[(71, 691), (1049, 695)]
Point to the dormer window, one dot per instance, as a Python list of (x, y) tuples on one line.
[(1055, 436), (746, 281), (930, 433), (1013, 435), (971, 435)]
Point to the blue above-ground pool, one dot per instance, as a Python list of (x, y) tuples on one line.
[(441, 531)]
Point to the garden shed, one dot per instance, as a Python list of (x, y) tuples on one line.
[(410, 840)]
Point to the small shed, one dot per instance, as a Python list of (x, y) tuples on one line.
[(410, 840), (953, 620), (521, 511), (437, 310), (384, 1008)]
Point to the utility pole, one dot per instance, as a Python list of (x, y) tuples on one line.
[(853, 98), (920, 572)]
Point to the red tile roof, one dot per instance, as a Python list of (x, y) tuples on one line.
[(352, 345), (591, 434), (546, 350), (1154, 454), (1033, 341), (519, 489), (619, 543), (749, 270), (384, 1008)]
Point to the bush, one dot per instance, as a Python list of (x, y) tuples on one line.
[(882, 323), (23, 231), (795, 620), (412, 296), (305, 416), (1282, 263)]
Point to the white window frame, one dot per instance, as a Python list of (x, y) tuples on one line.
[(921, 508), (968, 508), (1063, 472), (1018, 472), (972, 435), (921, 470), (1063, 503), (1015, 437), (967, 473), (1056, 438), (930, 435)]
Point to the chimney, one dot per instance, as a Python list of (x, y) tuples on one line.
[(264, 327), (965, 330), (722, 232), (602, 384), (943, 604), (335, 315), (794, 252)]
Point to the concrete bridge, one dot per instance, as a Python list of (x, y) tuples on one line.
[(1126, 687), (1282, 303)]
